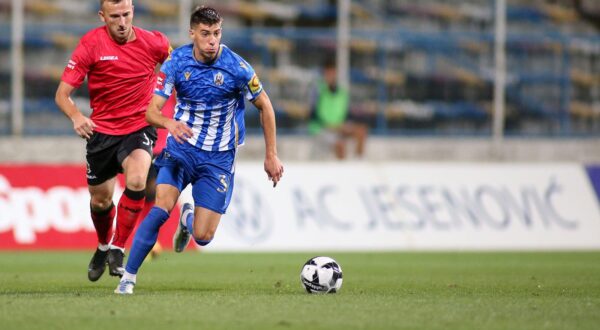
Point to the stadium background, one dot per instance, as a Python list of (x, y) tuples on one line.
[(422, 75), (443, 179), (415, 68)]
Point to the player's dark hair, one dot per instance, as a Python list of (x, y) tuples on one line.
[(330, 62), (205, 15)]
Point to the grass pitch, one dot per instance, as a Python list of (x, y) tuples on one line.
[(50, 290)]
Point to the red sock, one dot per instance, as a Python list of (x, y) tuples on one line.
[(103, 222), (131, 205)]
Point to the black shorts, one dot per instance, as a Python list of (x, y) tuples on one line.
[(105, 153)]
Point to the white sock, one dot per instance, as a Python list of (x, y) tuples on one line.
[(129, 277), (103, 247)]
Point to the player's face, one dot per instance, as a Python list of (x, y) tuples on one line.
[(118, 18), (330, 76), (207, 39)]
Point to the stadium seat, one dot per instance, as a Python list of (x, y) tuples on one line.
[(43, 8), (162, 9), (411, 61), (65, 41)]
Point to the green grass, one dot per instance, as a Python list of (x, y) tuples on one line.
[(50, 290)]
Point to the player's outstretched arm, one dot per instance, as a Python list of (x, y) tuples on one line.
[(82, 125), (273, 165), (180, 131)]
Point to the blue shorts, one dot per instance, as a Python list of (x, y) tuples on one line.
[(210, 173)]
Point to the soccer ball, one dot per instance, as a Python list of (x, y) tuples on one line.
[(321, 275)]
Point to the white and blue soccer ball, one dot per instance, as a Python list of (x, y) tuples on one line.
[(321, 275)]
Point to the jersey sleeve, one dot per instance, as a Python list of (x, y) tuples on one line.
[(165, 82), (164, 48), (251, 85), (78, 66)]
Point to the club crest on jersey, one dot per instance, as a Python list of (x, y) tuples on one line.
[(187, 75), (219, 79)]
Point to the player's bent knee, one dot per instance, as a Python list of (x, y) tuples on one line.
[(202, 242), (136, 183), (202, 238), (100, 204)]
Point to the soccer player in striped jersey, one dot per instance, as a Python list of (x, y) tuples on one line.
[(119, 60), (211, 83)]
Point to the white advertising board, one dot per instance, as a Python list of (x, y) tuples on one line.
[(410, 206)]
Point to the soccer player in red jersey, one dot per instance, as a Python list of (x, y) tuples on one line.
[(119, 60)]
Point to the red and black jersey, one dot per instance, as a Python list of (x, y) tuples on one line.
[(121, 77)]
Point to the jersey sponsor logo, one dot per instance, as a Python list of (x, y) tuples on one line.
[(243, 66), (161, 86), (254, 84), (219, 79), (160, 81), (109, 58), (187, 75), (71, 65)]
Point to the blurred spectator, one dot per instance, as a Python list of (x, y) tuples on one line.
[(329, 115)]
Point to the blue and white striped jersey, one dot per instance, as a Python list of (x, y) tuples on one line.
[(210, 97)]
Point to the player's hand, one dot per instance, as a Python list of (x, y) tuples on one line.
[(83, 126), (179, 130), (274, 169)]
